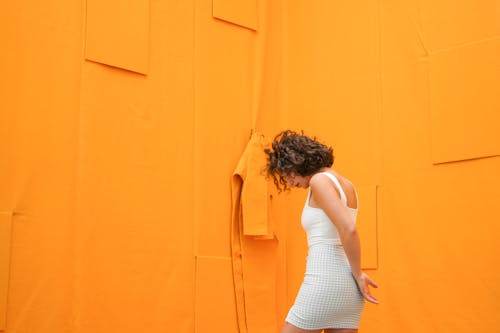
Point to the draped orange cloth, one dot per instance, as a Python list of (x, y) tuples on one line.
[(254, 247)]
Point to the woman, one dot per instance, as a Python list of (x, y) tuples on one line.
[(331, 297)]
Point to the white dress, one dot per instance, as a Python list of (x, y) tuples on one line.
[(329, 296)]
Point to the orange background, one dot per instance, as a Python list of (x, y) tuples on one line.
[(121, 126)]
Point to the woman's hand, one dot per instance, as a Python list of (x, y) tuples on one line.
[(364, 282)]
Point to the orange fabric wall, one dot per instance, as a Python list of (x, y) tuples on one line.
[(121, 126)]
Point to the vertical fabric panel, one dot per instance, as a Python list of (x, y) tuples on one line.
[(40, 73), (134, 228), (5, 245), (118, 33), (222, 102)]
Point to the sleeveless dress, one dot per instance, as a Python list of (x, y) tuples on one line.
[(329, 296)]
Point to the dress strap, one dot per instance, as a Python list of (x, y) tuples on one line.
[(336, 182)]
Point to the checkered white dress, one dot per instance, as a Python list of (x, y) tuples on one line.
[(329, 296)]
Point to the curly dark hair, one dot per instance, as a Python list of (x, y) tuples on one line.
[(295, 152)]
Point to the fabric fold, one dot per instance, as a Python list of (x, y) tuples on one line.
[(254, 248)]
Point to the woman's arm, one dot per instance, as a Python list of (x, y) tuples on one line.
[(329, 201)]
